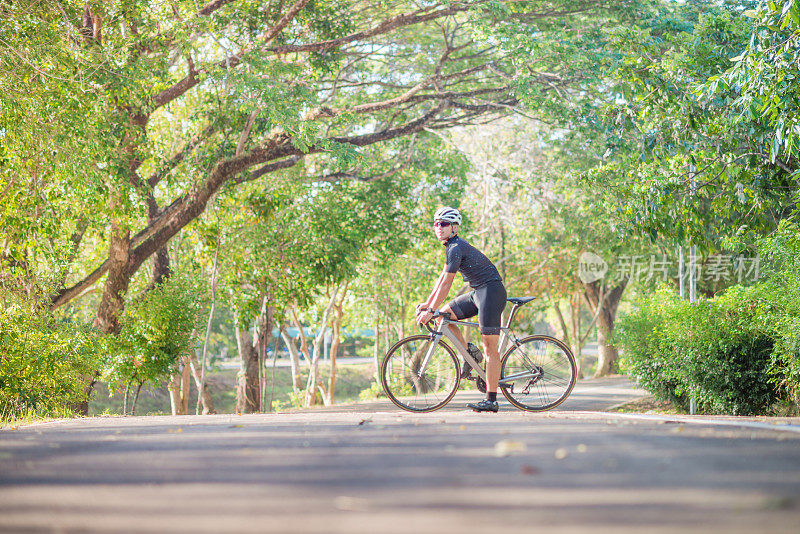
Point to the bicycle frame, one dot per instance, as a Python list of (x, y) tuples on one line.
[(444, 331)]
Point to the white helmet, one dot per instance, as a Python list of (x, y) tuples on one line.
[(446, 214)]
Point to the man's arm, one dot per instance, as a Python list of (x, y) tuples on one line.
[(440, 291)]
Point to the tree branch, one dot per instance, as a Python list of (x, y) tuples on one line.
[(270, 167), (213, 6), (399, 21), (336, 176), (186, 208), (179, 156), (190, 80)]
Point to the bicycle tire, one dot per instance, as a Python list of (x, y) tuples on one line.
[(543, 364), (420, 394)]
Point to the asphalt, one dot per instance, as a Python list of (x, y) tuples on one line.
[(375, 469)]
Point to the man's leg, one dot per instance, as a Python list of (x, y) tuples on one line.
[(490, 350), (491, 300)]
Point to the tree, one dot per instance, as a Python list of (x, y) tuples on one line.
[(279, 82), (162, 107), (158, 329), (291, 244), (648, 106), (685, 170), (528, 207), (763, 81)]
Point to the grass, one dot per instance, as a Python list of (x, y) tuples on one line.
[(647, 404), (33, 416)]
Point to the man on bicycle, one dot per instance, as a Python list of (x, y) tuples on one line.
[(486, 300)]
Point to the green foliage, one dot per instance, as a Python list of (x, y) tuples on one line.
[(157, 328), (738, 352), (764, 80), (713, 349), (645, 98), (44, 362), (683, 168), (781, 312), (374, 391)]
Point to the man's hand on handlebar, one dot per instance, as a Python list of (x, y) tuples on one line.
[(424, 314)]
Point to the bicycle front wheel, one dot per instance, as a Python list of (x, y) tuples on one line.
[(538, 373), (412, 387)]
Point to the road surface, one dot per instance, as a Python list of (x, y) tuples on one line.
[(378, 470)]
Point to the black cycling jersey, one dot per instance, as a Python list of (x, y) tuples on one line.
[(475, 267)]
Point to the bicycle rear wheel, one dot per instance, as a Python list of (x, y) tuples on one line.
[(538, 373), (411, 390)]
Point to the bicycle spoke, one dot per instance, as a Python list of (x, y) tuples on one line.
[(414, 391), (541, 371)]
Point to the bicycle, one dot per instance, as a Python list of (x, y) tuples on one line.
[(421, 373)]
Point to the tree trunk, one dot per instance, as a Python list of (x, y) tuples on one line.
[(136, 398), (313, 384), (577, 345), (179, 385), (247, 390), (337, 327), (303, 341), (186, 383), (161, 267), (376, 347), (502, 251), (607, 354), (294, 357), (112, 301), (608, 302), (263, 331), (203, 394), (174, 388), (561, 322)]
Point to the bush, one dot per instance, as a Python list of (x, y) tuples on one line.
[(716, 350), (157, 328), (781, 313), (738, 352), (44, 363)]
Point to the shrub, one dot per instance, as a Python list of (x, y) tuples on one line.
[(781, 313), (715, 349), (738, 352), (44, 362), (157, 328)]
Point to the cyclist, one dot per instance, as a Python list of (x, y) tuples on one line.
[(486, 300)]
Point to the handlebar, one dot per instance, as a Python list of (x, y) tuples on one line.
[(436, 315)]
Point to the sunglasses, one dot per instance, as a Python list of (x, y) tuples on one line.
[(441, 224)]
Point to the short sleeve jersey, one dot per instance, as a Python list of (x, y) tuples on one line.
[(474, 266)]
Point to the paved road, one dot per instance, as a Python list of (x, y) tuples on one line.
[(371, 471), (590, 394)]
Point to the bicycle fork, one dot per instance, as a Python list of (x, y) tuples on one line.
[(424, 365)]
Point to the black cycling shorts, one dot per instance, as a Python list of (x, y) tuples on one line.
[(487, 302)]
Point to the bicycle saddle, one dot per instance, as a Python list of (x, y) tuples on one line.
[(519, 301)]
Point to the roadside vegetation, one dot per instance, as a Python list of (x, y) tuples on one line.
[(736, 353), (182, 184)]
